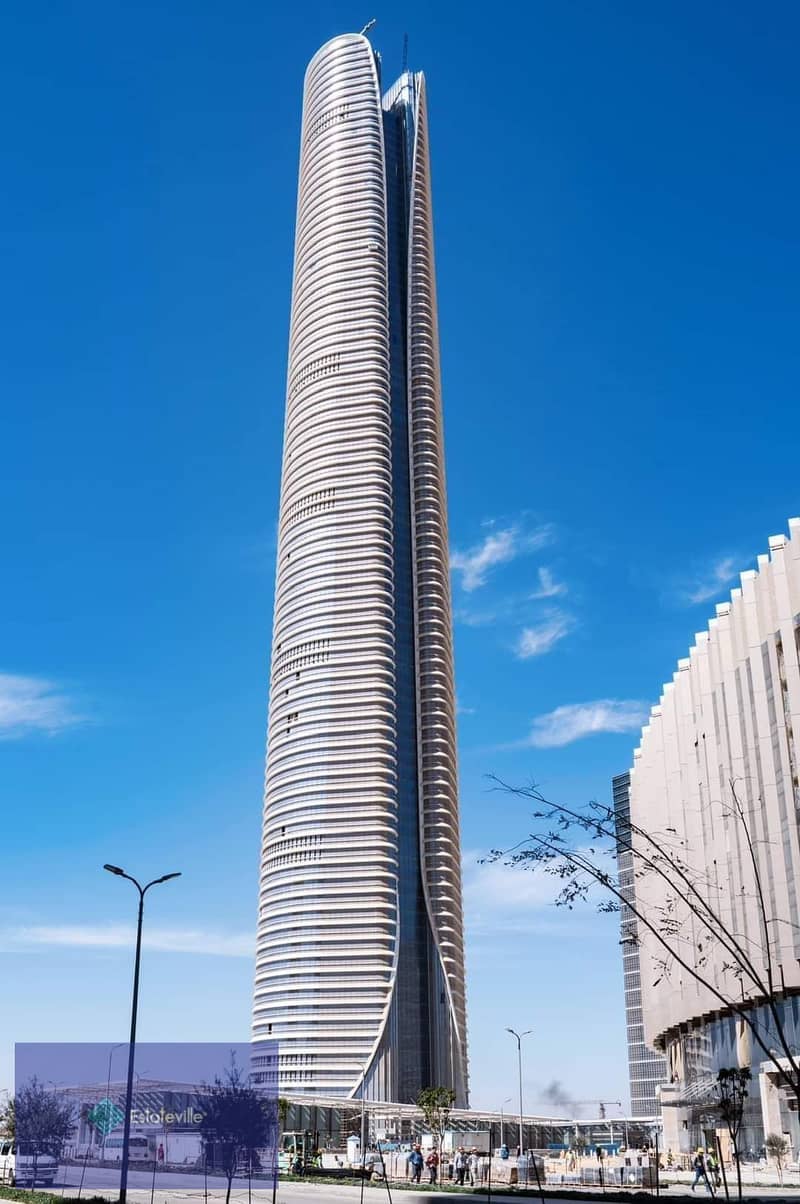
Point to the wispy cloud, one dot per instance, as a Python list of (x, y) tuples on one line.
[(477, 618), (541, 638), (122, 936), (32, 704), (499, 900), (498, 547), (548, 586), (711, 583), (566, 724)]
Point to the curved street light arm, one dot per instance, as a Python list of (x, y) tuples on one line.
[(126, 1132)]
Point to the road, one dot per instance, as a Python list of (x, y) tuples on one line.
[(174, 1188)]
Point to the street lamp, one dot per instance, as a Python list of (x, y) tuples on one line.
[(126, 1132), (108, 1095), (518, 1037), (363, 1141), (502, 1106)]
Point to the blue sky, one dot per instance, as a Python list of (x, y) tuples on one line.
[(616, 191)]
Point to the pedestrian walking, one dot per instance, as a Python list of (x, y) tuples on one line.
[(473, 1166), (432, 1163), (460, 1166), (415, 1162), (713, 1168), (700, 1173)]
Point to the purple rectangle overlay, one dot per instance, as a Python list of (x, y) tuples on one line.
[(201, 1115)]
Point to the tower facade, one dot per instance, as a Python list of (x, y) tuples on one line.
[(360, 958), (647, 1070), (716, 778)]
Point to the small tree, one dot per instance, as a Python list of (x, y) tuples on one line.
[(731, 1090), (7, 1118), (283, 1112), (43, 1120), (777, 1148), (435, 1104), (235, 1121)]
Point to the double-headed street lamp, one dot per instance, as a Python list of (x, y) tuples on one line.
[(126, 1132), (519, 1037)]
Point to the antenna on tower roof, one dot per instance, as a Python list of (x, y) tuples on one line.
[(405, 52), (369, 26)]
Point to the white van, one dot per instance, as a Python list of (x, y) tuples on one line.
[(18, 1169), (141, 1148)]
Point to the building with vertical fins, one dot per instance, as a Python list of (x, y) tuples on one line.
[(360, 954), (647, 1069), (717, 777)]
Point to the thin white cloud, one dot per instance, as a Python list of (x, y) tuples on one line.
[(122, 936), (500, 888), (566, 724), (713, 582), (500, 899), (474, 565), (32, 704), (498, 547), (475, 618), (548, 586), (537, 640)]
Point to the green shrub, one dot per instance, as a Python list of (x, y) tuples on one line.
[(45, 1197)]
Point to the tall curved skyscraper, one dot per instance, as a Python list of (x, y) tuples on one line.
[(360, 959)]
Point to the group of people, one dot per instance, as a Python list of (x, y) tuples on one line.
[(459, 1166), (706, 1170)]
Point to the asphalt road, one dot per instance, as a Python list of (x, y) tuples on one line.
[(168, 1185), (288, 1193), (177, 1187), (173, 1188)]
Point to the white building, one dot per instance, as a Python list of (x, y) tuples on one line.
[(726, 721), (360, 961)]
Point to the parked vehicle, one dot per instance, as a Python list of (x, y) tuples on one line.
[(141, 1148), (25, 1169)]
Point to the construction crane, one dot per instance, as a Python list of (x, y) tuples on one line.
[(602, 1104), (579, 1103)]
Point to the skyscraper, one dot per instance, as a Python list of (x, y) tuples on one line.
[(646, 1069), (360, 960)]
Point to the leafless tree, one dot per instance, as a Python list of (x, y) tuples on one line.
[(693, 929)]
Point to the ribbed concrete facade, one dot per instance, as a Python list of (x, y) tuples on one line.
[(731, 711), (646, 1069), (360, 959)]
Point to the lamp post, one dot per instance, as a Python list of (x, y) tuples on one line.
[(108, 1095), (502, 1106), (363, 1138), (518, 1037), (363, 1141), (126, 1132)]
